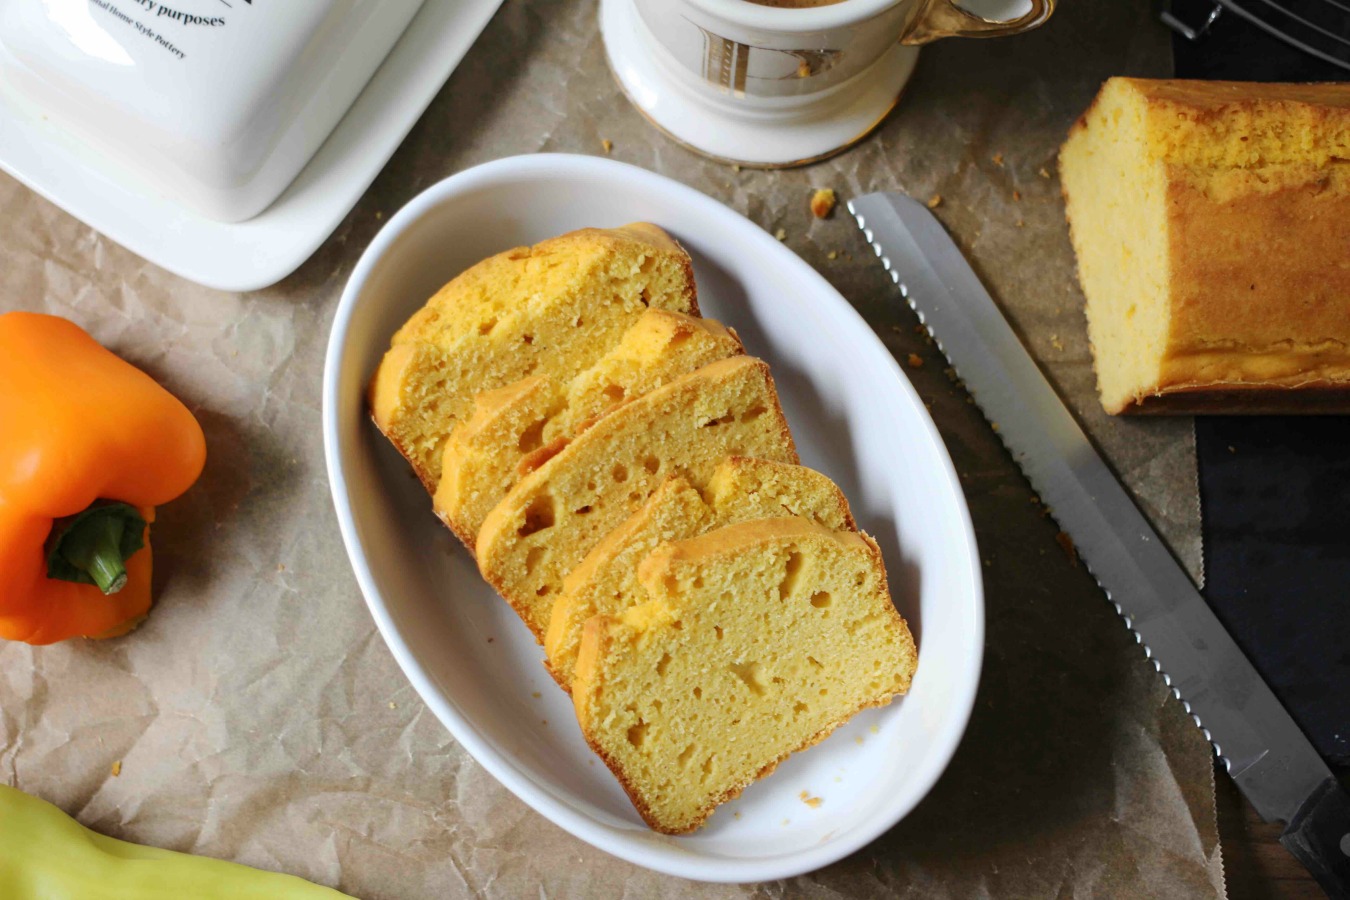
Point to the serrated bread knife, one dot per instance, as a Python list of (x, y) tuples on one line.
[(1262, 748)]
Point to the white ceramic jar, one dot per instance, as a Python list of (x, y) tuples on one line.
[(217, 104)]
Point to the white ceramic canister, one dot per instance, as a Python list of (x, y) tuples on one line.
[(217, 104)]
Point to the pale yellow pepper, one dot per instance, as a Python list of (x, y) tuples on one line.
[(46, 855)]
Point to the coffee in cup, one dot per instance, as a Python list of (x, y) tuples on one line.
[(794, 4)]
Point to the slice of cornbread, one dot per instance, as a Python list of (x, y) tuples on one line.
[(547, 310), (532, 419), (758, 640), (606, 582), (549, 521), (1209, 220)]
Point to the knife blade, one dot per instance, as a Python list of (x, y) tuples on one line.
[(1261, 747)]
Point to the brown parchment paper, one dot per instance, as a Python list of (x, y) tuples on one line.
[(257, 715)]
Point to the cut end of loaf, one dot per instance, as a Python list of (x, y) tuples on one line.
[(1115, 195)]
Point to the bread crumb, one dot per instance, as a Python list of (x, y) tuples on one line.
[(1232, 449), (117, 769), (833, 254), (736, 814), (787, 822), (378, 215), (822, 203), (1020, 223), (935, 201), (858, 740), (1043, 173), (1056, 343), (281, 567), (803, 69), (781, 234), (994, 425), (1066, 544), (606, 144), (536, 695), (915, 361), (897, 329), (810, 801), (998, 160), (735, 167), (545, 722), (1017, 196)]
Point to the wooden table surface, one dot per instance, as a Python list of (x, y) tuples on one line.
[(1256, 866)]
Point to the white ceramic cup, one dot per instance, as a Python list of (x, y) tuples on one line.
[(777, 86)]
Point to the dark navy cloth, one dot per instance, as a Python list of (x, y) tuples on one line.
[(1275, 491)]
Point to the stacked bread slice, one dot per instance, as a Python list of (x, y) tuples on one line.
[(547, 310), (625, 476), (514, 429)]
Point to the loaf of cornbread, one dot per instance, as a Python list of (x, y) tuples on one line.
[(553, 517), (602, 449), (756, 641), (516, 427), (605, 582), (549, 310), (1211, 222)]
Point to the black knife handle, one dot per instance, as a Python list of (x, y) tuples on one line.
[(1319, 837)]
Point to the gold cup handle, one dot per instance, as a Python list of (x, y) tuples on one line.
[(943, 18)]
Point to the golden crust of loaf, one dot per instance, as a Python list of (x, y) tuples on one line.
[(546, 310), (606, 583), (553, 517), (758, 640), (488, 453), (1246, 299)]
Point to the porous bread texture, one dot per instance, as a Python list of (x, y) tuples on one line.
[(547, 310), (553, 517), (1208, 220), (758, 640), (741, 489), (515, 428)]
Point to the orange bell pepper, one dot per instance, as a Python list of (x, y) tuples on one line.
[(89, 445)]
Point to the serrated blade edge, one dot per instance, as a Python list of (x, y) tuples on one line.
[(1261, 746)]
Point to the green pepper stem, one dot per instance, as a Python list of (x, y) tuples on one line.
[(94, 546)]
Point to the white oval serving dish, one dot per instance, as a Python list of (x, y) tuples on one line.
[(855, 417)]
